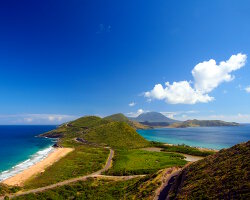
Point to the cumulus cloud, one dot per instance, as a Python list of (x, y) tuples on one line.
[(247, 89), (132, 104), (136, 114), (207, 76)]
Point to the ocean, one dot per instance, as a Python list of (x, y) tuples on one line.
[(206, 137), (20, 148)]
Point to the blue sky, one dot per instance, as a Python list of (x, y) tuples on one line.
[(63, 59)]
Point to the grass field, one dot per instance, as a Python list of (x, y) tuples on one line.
[(129, 162), (82, 161)]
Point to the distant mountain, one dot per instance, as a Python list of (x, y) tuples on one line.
[(154, 119), (202, 123), (224, 175)]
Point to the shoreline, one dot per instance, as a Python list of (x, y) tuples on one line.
[(39, 167)]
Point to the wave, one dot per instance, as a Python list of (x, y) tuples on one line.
[(35, 158)]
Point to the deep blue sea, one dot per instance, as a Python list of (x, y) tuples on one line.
[(207, 137), (20, 148)]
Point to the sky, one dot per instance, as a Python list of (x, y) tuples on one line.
[(60, 60)]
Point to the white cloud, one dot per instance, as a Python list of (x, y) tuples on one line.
[(178, 93), (136, 114), (207, 76), (35, 118), (132, 104), (247, 89)]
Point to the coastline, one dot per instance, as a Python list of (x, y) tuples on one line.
[(53, 156)]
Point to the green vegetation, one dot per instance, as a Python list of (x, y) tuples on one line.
[(202, 123), (4, 189), (130, 162), (118, 135), (101, 189), (122, 118), (118, 118), (224, 175), (82, 161), (183, 149), (88, 122)]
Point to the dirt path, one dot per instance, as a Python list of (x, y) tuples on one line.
[(164, 190), (83, 178)]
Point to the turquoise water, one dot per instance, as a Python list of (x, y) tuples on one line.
[(20, 148), (207, 137)]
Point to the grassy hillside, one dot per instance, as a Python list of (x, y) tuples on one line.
[(116, 135), (224, 175), (119, 117), (203, 123)]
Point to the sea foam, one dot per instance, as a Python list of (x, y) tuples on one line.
[(35, 158)]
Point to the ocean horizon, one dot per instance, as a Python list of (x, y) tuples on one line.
[(204, 137), (20, 147)]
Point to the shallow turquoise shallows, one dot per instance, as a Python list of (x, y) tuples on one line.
[(207, 137), (20, 148)]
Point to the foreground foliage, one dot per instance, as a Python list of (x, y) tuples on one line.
[(130, 162), (4, 189), (225, 175)]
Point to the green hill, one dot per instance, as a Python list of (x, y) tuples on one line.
[(224, 175), (203, 123), (114, 131), (122, 118), (116, 135), (88, 122), (119, 117)]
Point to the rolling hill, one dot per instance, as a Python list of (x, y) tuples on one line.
[(224, 175), (114, 131)]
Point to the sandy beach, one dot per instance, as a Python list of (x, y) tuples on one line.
[(39, 167)]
